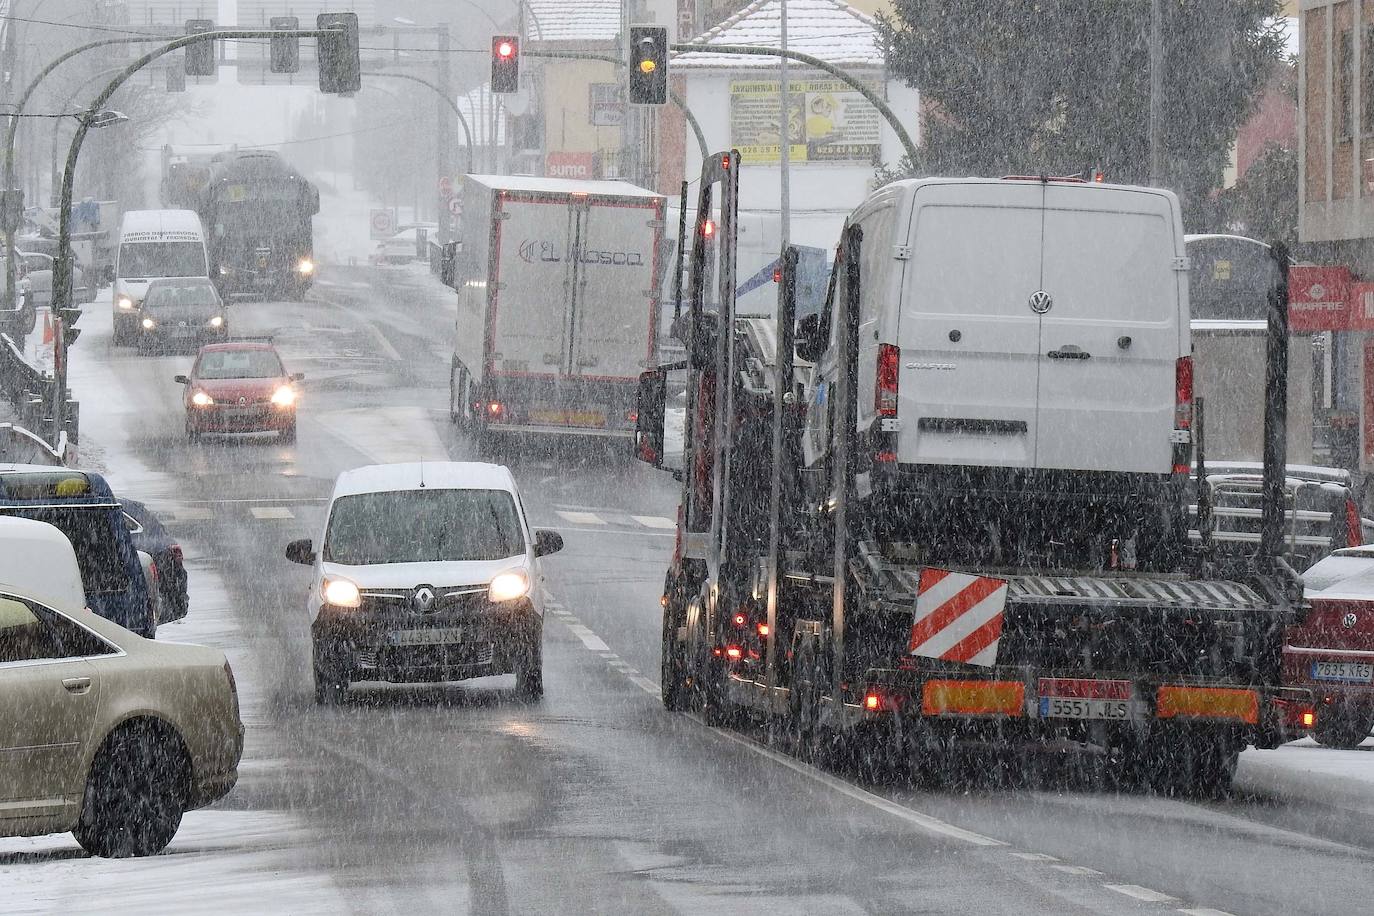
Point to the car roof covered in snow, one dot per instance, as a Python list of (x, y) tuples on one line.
[(415, 475), (561, 186)]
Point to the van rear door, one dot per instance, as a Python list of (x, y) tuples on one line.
[(1111, 334), (968, 337)]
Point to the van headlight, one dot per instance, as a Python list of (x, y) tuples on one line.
[(509, 585), (149, 324), (126, 303), (217, 321), (305, 267), (341, 593)]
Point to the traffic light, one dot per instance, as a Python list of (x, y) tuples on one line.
[(648, 65), (285, 50), (340, 68), (200, 56), (505, 63), (176, 76)]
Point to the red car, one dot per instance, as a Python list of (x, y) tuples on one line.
[(1332, 651), (240, 386)]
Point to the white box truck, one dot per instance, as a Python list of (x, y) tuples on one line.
[(558, 301)]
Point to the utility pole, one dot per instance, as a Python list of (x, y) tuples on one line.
[(1156, 93), (784, 130), (442, 133)]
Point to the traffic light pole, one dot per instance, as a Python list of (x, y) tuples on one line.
[(62, 265)]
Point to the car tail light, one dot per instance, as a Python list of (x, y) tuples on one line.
[(175, 551), (1183, 393), (1354, 533), (885, 396)]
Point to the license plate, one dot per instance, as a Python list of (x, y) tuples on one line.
[(432, 637), (590, 418), (594, 419), (1078, 708), (184, 332), (1343, 671)]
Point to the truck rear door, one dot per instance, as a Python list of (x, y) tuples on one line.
[(616, 303), (529, 326), (967, 334), (1110, 336)]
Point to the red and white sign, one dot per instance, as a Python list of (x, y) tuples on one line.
[(958, 617), (382, 224), (570, 165), (1319, 298), (445, 187)]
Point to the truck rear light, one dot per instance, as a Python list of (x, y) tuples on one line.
[(740, 620), (872, 701), (885, 395), (1354, 532), (495, 408), (1309, 719), (763, 629), (733, 653), (1183, 393)]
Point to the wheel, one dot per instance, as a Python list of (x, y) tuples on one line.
[(1343, 728), (672, 670), (331, 686), (288, 435), (135, 794), (120, 333), (529, 671), (455, 394)]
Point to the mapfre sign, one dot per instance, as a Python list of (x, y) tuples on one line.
[(570, 165), (1319, 299)]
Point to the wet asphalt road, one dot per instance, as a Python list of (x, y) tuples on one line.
[(595, 800)]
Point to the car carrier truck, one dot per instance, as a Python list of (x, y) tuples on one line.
[(557, 305), (967, 523)]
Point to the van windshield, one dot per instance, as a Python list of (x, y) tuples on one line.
[(162, 259), (92, 533), (422, 526)]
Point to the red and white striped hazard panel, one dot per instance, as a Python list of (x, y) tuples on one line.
[(958, 617)]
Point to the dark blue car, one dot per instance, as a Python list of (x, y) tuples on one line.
[(151, 537), (81, 505)]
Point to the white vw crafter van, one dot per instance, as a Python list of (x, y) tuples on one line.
[(153, 244), (1024, 372)]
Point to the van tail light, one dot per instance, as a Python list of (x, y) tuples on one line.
[(885, 396), (1354, 533), (1183, 393)]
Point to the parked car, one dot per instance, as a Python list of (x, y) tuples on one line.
[(240, 387), (401, 248), (102, 732), (81, 505), (152, 537), (38, 255), (1332, 650), (38, 267), (183, 310), (20, 319), (426, 572)]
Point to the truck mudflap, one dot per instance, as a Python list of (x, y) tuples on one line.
[(1046, 705)]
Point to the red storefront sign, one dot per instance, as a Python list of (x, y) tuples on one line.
[(1319, 299), (570, 165)]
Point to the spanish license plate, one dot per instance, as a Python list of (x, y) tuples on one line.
[(1078, 708), (1343, 671), (594, 419), (436, 636)]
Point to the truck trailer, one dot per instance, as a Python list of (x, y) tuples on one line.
[(879, 555), (558, 302)]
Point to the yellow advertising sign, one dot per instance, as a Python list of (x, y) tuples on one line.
[(828, 121)]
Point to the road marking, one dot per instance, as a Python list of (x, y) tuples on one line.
[(269, 513), (581, 518), (648, 686), (618, 532), (1205, 911), (1035, 857), (191, 514), (654, 521), (589, 639), (1141, 893), (1076, 870)]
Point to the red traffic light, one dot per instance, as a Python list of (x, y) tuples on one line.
[(504, 49), (505, 63)]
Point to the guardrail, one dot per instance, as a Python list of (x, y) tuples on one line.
[(30, 392)]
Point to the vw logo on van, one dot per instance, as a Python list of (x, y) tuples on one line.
[(1041, 302), (1349, 621)]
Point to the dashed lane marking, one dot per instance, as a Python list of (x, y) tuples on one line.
[(1204, 911), (654, 521), (189, 514), (1076, 870), (265, 513), (581, 518), (1141, 893), (1035, 857), (589, 639)]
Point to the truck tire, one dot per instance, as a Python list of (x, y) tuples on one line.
[(1196, 765), (1345, 729), (672, 670)]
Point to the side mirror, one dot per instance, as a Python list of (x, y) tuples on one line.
[(301, 551), (547, 542), (297, 376), (649, 415), (809, 344), (181, 379)]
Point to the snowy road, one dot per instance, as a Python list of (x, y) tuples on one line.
[(595, 800)]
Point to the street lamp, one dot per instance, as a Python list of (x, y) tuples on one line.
[(107, 118)]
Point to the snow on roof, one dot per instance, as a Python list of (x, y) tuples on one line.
[(562, 185), (572, 20), (437, 475), (829, 29)]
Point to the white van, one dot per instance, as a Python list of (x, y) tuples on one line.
[(153, 244), (1016, 336)]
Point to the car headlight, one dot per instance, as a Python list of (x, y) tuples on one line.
[(305, 267), (223, 271), (284, 396), (201, 399), (509, 585), (217, 321), (341, 593), (149, 324), (125, 302)]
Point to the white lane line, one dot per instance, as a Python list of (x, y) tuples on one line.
[(589, 639), (1076, 870), (267, 513), (581, 518), (1141, 893), (1205, 911), (1035, 857), (648, 686), (654, 521)]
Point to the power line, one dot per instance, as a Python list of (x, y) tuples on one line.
[(88, 28)]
